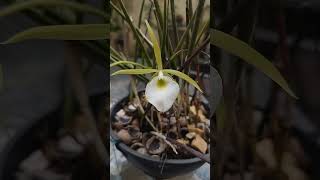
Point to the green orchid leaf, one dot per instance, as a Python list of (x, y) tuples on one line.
[(250, 55), (216, 88), (177, 53), (156, 47), (185, 33), (63, 32), (203, 30), (26, 5), (183, 76), (134, 71), (125, 66), (221, 115), (144, 37), (129, 63)]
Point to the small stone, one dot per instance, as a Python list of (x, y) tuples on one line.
[(132, 108), (202, 117), (135, 123), (84, 138), (191, 135), (207, 122), (200, 113), (145, 137), (265, 150), (125, 119), (199, 144), (155, 156), (37, 161), (192, 109), (69, 145), (142, 150), (124, 136), (165, 120), (197, 131), (173, 120), (136, 146), (164, 123), (117, 125), (183, 141), (174, 128), (135, 102), (122, 118), (190, 126), (134, 132), (121, 113), (183, 121), (155, 145), (291, 167)]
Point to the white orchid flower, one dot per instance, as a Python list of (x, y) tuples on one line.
[(162, 91)]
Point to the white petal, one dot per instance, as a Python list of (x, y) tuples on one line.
[(162, 97)]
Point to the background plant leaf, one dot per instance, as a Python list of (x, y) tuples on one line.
[(216, 88), (135, 71), (177, 53), (221, 115), (156, 47), (63, 32), (250, 55), (184, 77)]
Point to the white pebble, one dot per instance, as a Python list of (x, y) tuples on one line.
[(35, 162), (69, 145)]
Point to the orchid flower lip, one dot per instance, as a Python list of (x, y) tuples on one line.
[(162, 92)]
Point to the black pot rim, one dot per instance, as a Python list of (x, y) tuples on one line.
[(168, 161), (122, 146)]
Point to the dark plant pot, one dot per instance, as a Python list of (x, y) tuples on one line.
[(27, 139), (151, 166)]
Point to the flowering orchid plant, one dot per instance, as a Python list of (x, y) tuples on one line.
[(171, 102), (162, 90)]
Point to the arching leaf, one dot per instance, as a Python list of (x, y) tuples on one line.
[(250, 55), (216, 90), (184, 77), (156, 48), (63, 32), (128, 62), (135, 71)]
